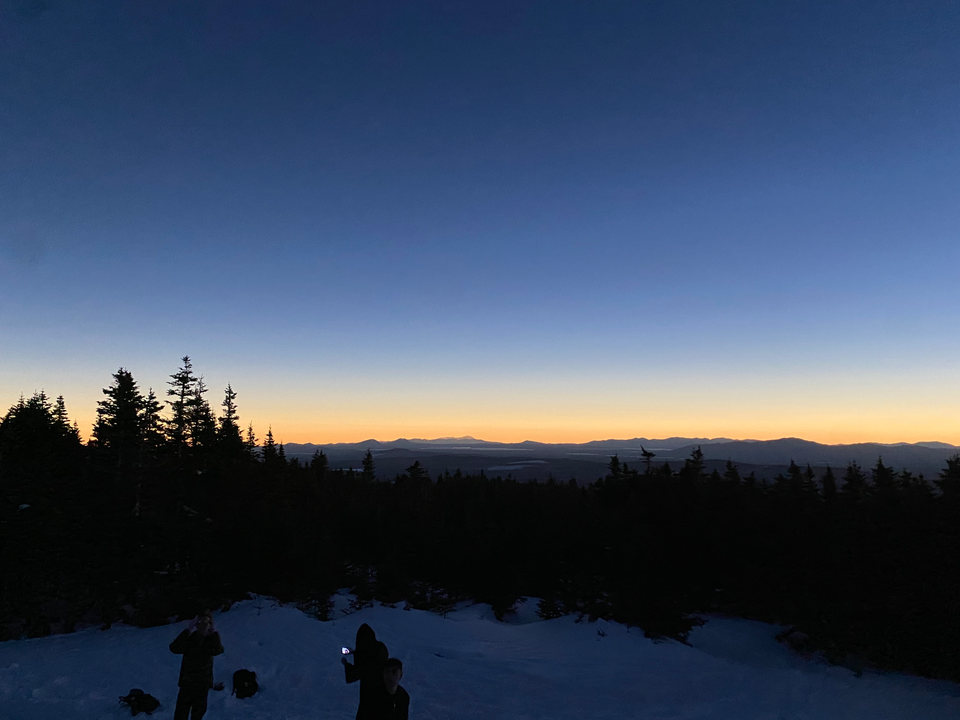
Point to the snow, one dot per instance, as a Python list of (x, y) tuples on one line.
[(466, 665)]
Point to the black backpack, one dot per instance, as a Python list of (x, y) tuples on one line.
[(245, 683), (140, 702)]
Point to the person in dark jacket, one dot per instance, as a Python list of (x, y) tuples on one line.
[(198, 644), (368, 659), (392, 702)]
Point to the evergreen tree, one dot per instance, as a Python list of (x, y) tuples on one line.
[(884, 478), (416, 473), (118, 430), (62, 421), (250, 442), (949, 479), (810, 481), (692, 469), (613, 468), (794, 480), (369, 474), (854, 482), (37, 457), (829, 483), (731, 476), (202, 427), (319, 465), (271, 458), (917, 487), (182, 391), (228, 431), (151, 422)]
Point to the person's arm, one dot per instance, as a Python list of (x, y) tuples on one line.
[(180, 645), (212, 644), (351, 670)]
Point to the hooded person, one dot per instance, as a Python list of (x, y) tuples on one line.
[(369, 657), (198, 644)]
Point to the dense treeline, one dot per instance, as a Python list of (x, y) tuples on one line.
[(171, 505)]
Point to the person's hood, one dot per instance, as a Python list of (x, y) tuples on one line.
[(365, 636)]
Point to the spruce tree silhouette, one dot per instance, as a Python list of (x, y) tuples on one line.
[(369, 469), (829, 483), (201, 424), (949, 480), (884, 479), (229, 438), (854, 483), (120, 437), (319, 465), (269, 453), (182, 390)]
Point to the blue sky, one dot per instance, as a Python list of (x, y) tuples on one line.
[(553, 221)]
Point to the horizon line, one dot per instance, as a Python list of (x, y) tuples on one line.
[(470, 438)]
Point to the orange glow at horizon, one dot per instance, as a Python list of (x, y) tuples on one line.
[(838, 408), (845, 430)]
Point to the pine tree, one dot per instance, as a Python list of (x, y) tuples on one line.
[(269, 451), (416, 473), (731, 476), (794, 481), (181, 390), (884, 478), (151, 422), (202, 426), (854, 482), (228, 431), (319, 464), (118, 430), (613, 467), (809, 483), (692, 470), (829, 483), (949, 479), (917, 486), (37, 456), (250, 442), (62, 421), (369, 474)]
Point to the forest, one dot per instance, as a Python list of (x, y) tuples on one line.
[(171, 506)]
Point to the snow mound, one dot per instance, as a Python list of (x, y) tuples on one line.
[(466, 665)]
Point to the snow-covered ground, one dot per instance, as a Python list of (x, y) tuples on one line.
[(466, 665)]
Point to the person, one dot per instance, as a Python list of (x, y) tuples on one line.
[(198, 644), (368, 658), (393, 702)]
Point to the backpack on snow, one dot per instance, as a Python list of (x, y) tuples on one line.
[(140, 702), (245, 683)]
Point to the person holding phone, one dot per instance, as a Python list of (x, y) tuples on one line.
[(369, 657), (198, 644)]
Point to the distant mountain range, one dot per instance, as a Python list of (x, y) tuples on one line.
[(586, 461)]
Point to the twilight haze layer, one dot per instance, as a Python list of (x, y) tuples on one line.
[(521, 220)]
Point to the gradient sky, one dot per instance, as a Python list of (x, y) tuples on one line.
[(520, 220)]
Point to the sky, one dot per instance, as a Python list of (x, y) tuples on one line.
[(554, 221)]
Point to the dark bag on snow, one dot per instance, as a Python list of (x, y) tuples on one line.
[(245, 683), (140, 702)]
